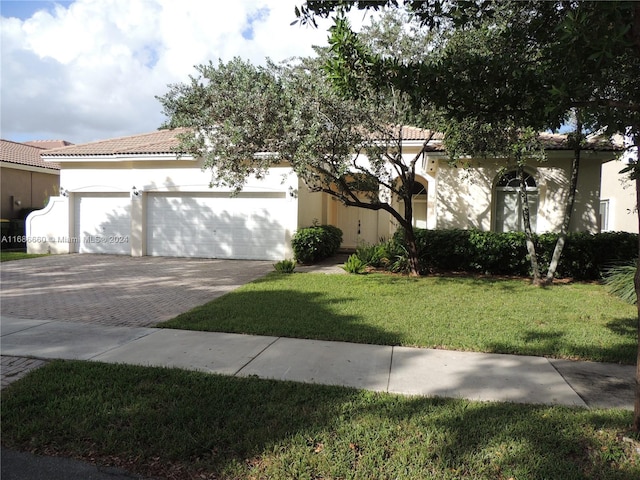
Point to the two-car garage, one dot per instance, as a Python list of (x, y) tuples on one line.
[(184, 224)]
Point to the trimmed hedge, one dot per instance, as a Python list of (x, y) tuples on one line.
[(313, 244), (585, 256)]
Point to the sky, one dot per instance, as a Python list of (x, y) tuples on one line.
[(88, 70)]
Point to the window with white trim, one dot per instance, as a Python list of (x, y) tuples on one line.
[(604, 215), (508, 202)]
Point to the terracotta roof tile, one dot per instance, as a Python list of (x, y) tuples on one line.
[(158, 142), (557, 141), (48, 144), (415, 133), (22, 154), (166, 141)]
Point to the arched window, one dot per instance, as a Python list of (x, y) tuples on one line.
[(508, 202), (418, 204)]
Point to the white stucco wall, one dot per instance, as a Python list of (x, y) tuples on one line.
[(620, 193), (456, 197), (465, 196), (48, 230)]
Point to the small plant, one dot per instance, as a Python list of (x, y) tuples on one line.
[(285, 266), (372, 255), (619, 281), (354, 265)]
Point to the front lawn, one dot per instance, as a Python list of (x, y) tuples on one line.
[(575, 321), (9, 256), (183, 425)]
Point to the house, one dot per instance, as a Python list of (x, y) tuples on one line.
[(135, 196), (27, 182), (618, 212)]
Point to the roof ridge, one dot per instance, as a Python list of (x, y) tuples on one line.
[(22, 144)]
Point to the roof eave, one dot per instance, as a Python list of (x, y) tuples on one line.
[(31, 168), (118, 157)]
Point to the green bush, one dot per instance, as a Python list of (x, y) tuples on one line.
[(312, 244), (285, 266), (354, 265), (585, 256), (377, 256)]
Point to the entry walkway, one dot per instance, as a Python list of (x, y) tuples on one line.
[(394, 369)]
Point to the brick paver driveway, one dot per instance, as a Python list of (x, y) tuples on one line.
[(117, 290)]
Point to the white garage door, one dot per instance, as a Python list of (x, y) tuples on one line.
[(103, 223), (248, 226)]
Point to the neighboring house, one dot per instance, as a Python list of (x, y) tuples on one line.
[(135, 196), (27, 182), (618, 212)]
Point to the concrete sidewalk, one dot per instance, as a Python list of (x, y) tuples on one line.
[(404, 370), (28, 343)]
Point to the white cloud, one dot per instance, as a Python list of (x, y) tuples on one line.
[(91, 69)]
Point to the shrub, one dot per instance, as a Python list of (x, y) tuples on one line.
[(498, 253), (285, 266), (585, 256), (377, 256), (619, 281), (354, 265), (312, 244)]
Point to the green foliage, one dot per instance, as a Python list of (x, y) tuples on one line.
[(375, 255), (285, 266), (585, 257), (354, 265), (313, 244), (619, 280)]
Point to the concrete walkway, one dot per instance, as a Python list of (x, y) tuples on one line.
[(30, 343), (394, 369)]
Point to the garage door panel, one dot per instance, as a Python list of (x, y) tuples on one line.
[(214, 226), (103, 223)]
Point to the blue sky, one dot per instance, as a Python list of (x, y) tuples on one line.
[(87, 70), (24, 9)]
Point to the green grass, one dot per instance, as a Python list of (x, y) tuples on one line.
[(178, 424), (9, 256), (575, 321)]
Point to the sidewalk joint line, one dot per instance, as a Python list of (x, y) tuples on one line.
[(44, 322), (568, 383), (126, 343), (390, 368), (256, 356)]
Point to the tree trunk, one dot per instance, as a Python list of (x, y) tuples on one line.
[(526, 217), (636, 408), (409, 235), (412, 251), (573, 185)]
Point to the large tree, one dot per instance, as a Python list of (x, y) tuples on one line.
[(588, 58), (245, 119)]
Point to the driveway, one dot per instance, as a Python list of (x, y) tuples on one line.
[(117, 290)]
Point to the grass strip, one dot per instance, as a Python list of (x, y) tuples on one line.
[(179, 424), (10, 256), (484, 314)]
